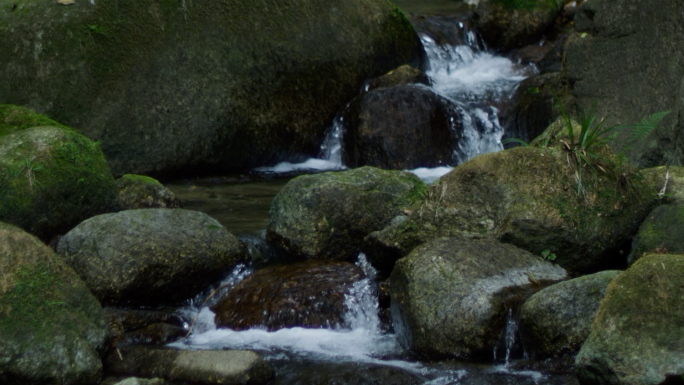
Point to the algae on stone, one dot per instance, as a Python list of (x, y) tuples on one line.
[(528, 196), (168, 85), (52, 178), (638, 334), (326, 216), (52, 329)]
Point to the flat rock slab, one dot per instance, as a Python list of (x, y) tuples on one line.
[(197, 367)]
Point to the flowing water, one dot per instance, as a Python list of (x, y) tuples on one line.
[(365, 353)]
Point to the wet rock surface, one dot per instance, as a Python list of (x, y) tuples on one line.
[(307, 294), (401, 127), (196, 367), (451, 296), (150, 256)]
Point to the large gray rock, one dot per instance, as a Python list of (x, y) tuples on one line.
[(612, 63), (556, 320), (150, 256), (51, 178), (52, 330), (638, 335), (168, 86), (197, 367), (326, 216), (451, 296), (528, 196)]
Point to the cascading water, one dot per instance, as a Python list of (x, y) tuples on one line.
[(472, 79)]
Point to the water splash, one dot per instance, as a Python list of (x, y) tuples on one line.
[(330, 157)]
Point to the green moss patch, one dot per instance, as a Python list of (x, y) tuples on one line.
[(14, 118)]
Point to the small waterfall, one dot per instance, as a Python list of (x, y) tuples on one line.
[(509, 346), (362, 300)]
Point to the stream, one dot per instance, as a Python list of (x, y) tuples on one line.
[(476, 80)]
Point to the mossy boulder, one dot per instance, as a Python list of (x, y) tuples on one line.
[(555, 321), (508, 24), (668, 181), (638, 335), (16, 118), (52, 330), (150, 256), (451, 296), (51, 179), (139, 192), (326, 216), (661, 232), (168, 86), (529, 197)]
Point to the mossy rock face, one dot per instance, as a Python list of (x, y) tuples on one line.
[(52, 330), (139, 192), (668, 180), (509, 24), (661, 232), (326, 216), (528, 196), (638, 335), (164, 92), (451, 296), (15, 118), (51, 179), (555, 321), (150, 256)]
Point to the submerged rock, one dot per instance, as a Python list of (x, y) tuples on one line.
[(139, 192), (326, 216), (165, 92), (529, 197), (661, 232), (638, 335), (144, 326), (150, 256), (52, 330), (51, 178), (451, 296), (197, 367), (401, 127), (557, 320), (307, 294)]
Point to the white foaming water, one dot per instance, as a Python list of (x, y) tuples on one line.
[(329, 159), (363, 341), (464, 72), (429, 175)]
